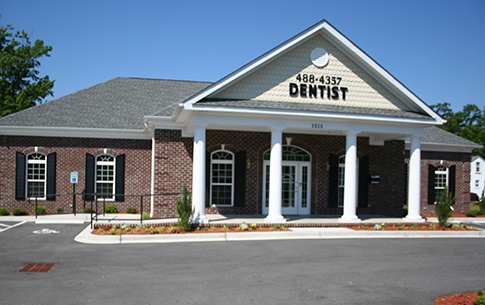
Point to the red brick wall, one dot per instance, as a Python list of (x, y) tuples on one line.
[(71, 156), (173, 167), (462, 178)]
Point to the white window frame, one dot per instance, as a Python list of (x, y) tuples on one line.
[(113, 181), (440, 170), (477, 183), (33, 162), (477, 168), (212, 183)]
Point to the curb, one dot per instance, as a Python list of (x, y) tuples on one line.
[(296, 233)]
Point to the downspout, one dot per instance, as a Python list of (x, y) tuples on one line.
[(152, 180)]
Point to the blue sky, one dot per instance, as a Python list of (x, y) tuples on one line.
[(435, 48)]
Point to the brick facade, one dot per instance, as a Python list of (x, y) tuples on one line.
[(71, 156), (174, 158), (462, 178), (173, 168)]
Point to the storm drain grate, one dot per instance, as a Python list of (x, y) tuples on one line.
[(37, 267)]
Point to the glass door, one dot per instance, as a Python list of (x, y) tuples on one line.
[(295, 188)]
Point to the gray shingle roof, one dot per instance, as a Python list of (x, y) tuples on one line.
[(312, 107), (435, 135), (119, 103)]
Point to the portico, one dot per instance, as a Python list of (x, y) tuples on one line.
[(317, 83)]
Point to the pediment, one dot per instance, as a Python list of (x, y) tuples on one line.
[(341, 76)]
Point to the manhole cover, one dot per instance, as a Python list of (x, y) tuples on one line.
[(37, 267)]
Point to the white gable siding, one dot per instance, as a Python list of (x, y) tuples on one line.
[(477, 175), (271, 81)]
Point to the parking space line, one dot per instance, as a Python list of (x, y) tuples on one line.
[(13, 226)]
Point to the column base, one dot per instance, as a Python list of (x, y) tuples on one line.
[(349, 219), (417, 218), (201, 219), (275, 219)]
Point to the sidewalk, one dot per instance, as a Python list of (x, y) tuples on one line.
[(308, 227)]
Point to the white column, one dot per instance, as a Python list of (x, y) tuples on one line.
[(275, 174), (414, 181), (198, 176), (350, 190)]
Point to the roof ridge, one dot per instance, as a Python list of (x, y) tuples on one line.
[(163, 79)]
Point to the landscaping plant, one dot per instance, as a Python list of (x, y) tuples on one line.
[(185, 211), (4, 212), (41, 210), (481, 204), (443, 207), (480, 300), (111, 209), (20, 212)]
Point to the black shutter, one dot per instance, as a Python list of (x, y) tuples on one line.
[(452, 180), (51, 176), (406, 181), (120, 178), (431, 190), (207, 178), (333, 181), (363, 182), (240, 179), (89, 181), (20, 176)]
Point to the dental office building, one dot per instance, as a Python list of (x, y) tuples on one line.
[(312, 127)]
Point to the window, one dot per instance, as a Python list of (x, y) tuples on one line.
[(440, 180), (477, 167), (222, 177), (105, 177), (341, 181), (105, 173), (36, 175), (477, 183)]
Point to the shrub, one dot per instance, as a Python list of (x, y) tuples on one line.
[(480, 300), (443, 207), (59, 210), (145, 215), (131, 210), (41, 210), (472, 213), (4, 212), (110, 209), (20, 211), (87, 210), (481, 204), (184, 210)]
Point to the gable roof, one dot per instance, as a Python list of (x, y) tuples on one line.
[(120, 103), (344, 45)]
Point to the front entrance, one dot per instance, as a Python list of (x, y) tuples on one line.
[(295, 182)]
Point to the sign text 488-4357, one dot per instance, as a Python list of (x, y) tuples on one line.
[(321, 87)]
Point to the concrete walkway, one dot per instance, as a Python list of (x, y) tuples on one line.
[(308, 227)]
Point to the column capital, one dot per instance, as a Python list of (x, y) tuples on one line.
[(277, 128), (352, 132)]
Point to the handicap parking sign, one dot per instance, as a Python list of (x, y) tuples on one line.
[(74, 176)]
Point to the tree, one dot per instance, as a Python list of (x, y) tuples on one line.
[(21, 86), (468, 123)]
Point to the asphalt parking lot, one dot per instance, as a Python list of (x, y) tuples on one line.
[(364, 271)]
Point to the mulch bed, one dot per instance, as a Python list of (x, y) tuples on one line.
[(412, 227), (466, 298)]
